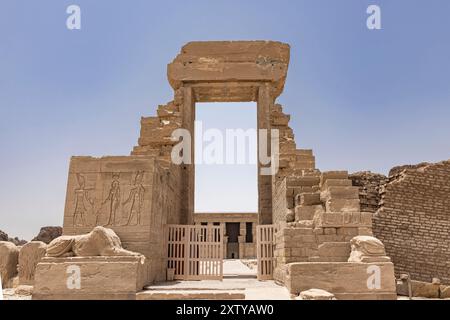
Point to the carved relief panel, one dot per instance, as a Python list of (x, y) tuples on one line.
[(113, 192)]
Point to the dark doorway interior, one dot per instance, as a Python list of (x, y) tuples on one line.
[(232, 231)]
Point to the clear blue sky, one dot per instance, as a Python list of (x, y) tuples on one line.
[(363, 100)]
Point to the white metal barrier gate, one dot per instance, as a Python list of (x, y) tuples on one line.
[(265, 246), (195, 252)]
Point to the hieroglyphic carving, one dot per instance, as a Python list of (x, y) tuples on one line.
[(136, 200), (81, 197), (113, 200)]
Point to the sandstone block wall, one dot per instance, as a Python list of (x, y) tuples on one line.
[(321, 215), (297, 173), (413, 220), (133, 195), (101, 278), (347, 281)]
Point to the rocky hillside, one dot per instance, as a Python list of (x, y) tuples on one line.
[(46, 234), (4, 237)]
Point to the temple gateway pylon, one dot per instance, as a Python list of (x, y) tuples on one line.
[(309, 222)]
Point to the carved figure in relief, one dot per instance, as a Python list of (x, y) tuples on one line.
[(81, 198), (136, 200), (113, 199)]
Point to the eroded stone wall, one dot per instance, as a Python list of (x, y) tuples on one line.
[(369, 189), (136, 196), (413, 220)]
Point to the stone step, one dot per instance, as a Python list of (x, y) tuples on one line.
[(199, 294), (333, 175)]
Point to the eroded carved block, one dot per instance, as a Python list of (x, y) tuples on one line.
[(367, 249), (9, 255), (29, 256), (99, 242)]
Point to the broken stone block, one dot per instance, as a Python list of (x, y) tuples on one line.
[(336, 183), (304, 224), (445, 292), (24, 290), (29, 256), (290, 216), (9, 257), (99, 242), (342, 205), (307, 212), (351, 231), (425, 289), (87, 278), (332, 175), (328, 231), (335, 249), (340, 193), (364, 231), (367, 249), (344, 279), (343, 219), (309, 199), (315, 294)]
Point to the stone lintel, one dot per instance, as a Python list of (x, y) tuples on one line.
[(223, 62)]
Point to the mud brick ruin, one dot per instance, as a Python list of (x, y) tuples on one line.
[(313, 229), (412, 217)]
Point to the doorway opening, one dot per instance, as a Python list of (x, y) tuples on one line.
[(226, 170), (226, 175)]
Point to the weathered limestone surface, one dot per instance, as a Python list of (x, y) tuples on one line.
[(315, 294), (99, 242), (133, 195), (313, 250), (29, 256), (343, 279), (422, 289), (230, 61), (413, 220), (100, 278), (367, 249), (9, 257)]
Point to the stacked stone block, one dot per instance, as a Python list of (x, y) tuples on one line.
[(156, 131), (327, 216)]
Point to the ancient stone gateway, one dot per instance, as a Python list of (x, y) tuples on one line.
[(236, 71), (313, 215)]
